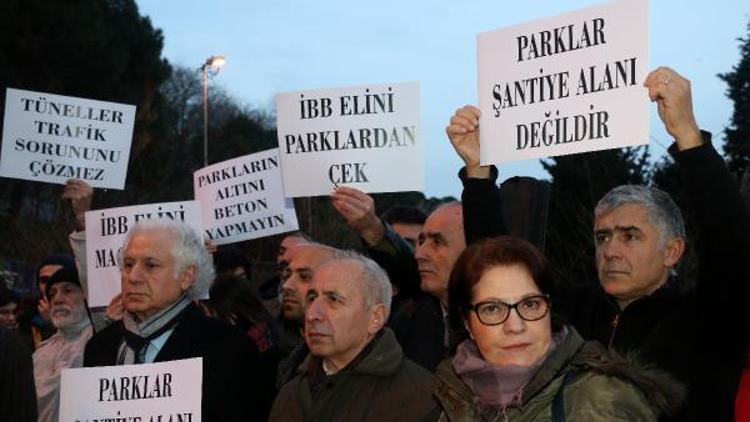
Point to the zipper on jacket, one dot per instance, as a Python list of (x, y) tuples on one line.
[(615, 323)]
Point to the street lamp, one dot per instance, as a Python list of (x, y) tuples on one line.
[(212, 65)]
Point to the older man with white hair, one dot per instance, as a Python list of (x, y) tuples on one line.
[(163, 266), (356, 371), (64, 349)]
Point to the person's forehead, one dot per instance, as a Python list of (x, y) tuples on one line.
[(48, 270), (340, 276), (626, 215), (9, 306), (505, 282), (155, 243), (291, 241), (64, 285), (307, 256), (446, 219)]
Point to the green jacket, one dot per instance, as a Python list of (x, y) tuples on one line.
[(602, 388), (380, 385)]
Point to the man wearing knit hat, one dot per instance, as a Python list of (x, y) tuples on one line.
[(69, 315)]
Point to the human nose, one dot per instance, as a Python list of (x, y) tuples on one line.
[(610, 249), (287, 285), (514, 324), (313, 311), (57, 298), (136, 274), (420, 253)]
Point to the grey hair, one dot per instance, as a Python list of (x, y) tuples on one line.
[(661, 209), (375, 280), (188, 250)]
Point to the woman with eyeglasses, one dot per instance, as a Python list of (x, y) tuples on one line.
[(515, 360)]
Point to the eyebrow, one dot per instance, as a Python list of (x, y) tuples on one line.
[(435, 236), (523, 297), (335, 294), (619, 229)]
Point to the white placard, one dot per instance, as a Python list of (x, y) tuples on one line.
[(367, 137), (53, 138), (243, 198), (566, 84), (106, 231), (165, 391)]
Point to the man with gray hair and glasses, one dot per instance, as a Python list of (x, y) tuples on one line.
[(164, 266), (696, 333), (356, 370)]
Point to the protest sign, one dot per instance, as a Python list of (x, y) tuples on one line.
[(566, 84), (367, 137), (243, 198), (149, 392), (105, 232), (53, 138)]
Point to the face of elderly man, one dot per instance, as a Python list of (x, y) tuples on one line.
[(440, 244), (150, 280), (296, 278), (66, 304), (338, 322)]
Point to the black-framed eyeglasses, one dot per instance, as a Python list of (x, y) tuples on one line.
[(495, 312)]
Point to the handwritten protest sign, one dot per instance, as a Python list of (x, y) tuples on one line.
[(105, 232), (243, 198), (367, 137), (566, 84), (53, 138), (165, 391)]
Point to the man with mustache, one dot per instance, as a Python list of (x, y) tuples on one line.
[(356, 370), (64, 349)]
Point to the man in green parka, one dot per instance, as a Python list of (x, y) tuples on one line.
[(356, 371)]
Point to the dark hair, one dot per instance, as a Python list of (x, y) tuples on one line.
[(229, 257), (483, 256), (404, 214), (234, 301)]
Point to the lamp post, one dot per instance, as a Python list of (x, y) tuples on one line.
[(212, 65)]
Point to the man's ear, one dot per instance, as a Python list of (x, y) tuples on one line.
[(377, 319), (673, 251), (187, 278)]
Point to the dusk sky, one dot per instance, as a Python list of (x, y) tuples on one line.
[(282, 45)]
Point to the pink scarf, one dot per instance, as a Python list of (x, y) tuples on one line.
[(496, 386)]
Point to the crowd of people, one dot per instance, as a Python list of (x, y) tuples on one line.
[(450, 316)]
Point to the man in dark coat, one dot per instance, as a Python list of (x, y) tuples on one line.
[(164, 265), (356, 370), (639, 235)]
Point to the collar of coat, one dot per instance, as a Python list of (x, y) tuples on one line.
[(381, 357)]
